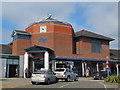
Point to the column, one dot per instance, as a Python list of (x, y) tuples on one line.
[(53, 65), (117, 69), (25, 62), (85, 65), (83, 70), (46, 60), (33, 65), (97, 67)]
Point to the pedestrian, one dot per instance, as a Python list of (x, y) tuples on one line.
[(26, 72), (87, 73), (30, 73)]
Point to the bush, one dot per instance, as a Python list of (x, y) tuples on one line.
[(113, 79)]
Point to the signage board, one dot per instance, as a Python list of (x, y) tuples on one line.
[(69, 63)]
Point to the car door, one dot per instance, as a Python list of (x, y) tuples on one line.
[(71, 74), (51, 76)]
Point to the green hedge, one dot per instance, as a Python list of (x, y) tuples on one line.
[(113, 79)]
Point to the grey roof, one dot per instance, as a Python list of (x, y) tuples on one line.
[(37, 49), (91, 34), (21, 32), (49, 20)]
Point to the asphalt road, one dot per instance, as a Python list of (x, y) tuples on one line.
[(81, 83)]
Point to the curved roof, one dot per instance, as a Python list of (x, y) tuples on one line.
[(49, 19)]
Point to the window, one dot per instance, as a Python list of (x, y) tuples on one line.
[(96, 46), (9, 61), (21, 36), (13, 61)]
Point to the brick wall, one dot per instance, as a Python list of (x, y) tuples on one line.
[(86, 49), (19, 45), (59, 37)]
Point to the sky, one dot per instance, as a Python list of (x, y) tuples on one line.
[(98, 17)]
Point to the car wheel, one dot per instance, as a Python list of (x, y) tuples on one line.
[(48, 82), (76, 79), (67, 79), (56, 80), (102, 78), (33, 83)]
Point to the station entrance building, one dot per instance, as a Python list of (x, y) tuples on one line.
[(52, 44)]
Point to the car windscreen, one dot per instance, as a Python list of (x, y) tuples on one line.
[(40, 72), (59, 70)]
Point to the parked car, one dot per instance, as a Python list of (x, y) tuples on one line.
[(76, 76), (66, 74), (45, 76), (100, 75)]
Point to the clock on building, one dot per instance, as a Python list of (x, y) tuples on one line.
[(42, 29)]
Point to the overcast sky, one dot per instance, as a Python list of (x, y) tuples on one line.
[(98, 17)]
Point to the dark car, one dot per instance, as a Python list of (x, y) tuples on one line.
[(100, 75)]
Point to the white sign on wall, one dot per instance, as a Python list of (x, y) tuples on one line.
[(42, 29)]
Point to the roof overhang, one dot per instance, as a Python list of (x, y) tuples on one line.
[(20, 32), (59, 58), (38, 49), (93, 37)]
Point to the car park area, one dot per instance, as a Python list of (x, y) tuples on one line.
[(81, 83)]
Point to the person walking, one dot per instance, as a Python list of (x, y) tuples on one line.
[(26, 72), (87, 73)]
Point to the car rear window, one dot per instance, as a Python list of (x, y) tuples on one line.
[(60, 70), (40, 72)]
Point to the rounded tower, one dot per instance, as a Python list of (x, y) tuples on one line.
[(54, 34)]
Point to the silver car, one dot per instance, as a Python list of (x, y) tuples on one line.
[(45, 76), (66, 74)]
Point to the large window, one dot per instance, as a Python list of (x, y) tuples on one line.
[(21, 36), (96, 46), (13, 61)]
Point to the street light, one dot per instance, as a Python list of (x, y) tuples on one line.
[(107, 67)]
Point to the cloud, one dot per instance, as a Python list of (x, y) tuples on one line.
[(24, 13), (103, 17)]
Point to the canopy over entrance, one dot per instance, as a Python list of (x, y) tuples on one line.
[(37, 50)]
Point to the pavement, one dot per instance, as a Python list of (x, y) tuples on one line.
[(81, 83), (14, 82)]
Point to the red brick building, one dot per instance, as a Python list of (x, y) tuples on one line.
[(83, 48)]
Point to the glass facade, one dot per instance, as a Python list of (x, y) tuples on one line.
[(13, 61), (21, 36)]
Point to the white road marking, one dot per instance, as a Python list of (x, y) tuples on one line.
[(67, 84), (103, 85), (63, 86)]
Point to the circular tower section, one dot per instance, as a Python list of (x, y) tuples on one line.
[(53, 34)]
